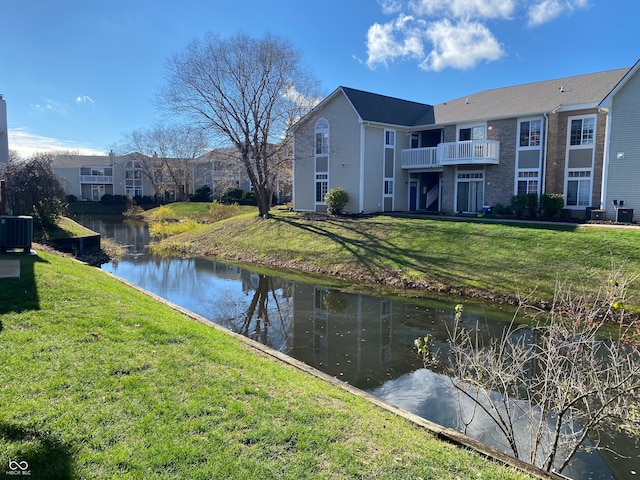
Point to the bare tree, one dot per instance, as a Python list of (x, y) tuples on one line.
[(248, 93), (165, 153), (34, 189), (561, 376)]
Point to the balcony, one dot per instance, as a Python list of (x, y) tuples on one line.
[(102, 179), (473, 152)]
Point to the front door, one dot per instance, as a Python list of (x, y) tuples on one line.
[(97, 191), (413, 196), (470, 195)]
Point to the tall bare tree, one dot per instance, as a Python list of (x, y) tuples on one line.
[(247, 93), (165, 153)]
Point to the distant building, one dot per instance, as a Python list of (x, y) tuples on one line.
[(220, 170), (4, 132), (90, 177)]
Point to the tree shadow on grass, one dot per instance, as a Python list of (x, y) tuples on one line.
[(37, 455)]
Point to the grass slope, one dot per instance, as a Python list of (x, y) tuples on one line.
[(494, 260), (99, 381)]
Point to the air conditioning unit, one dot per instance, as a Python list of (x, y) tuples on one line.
[(598, 214), (624, 215), (16, 232)]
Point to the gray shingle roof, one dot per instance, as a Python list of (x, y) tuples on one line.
[(515, 101), (379, 108), (529, 99)]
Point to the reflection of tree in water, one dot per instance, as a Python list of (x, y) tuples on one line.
[(267, 318)]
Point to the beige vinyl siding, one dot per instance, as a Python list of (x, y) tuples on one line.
[(344, 149), (303, 169), (373, 157), (624, 174), (344, 155), (70, 180), (401, 183)]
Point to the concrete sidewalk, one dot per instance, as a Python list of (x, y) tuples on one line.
[(9, 268)]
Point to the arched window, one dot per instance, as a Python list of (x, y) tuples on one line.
[(322, 137), (133, 179), (321, 160)]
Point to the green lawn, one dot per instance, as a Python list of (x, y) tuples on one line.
[(503, 259), (100, 381)]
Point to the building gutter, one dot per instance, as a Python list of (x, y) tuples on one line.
[(362, 143), (605, 161)]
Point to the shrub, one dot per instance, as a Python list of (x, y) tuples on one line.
[(146, 200), (336, 199), (162, 214), (202, 194), (109, 199), (34, 189), (219, 211), (248, 198), (525, 205), (233, 195), (551, 205), (163, 229), (500, 209), (71, 198)]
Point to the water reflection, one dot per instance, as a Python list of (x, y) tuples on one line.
[(364, 340)]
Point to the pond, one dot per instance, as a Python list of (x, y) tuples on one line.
[(364, 340)]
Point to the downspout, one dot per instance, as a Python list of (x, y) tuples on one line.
[(545, 156), (293, 171), (361, 196), (605, 162)]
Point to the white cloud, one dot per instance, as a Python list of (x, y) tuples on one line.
[(548, 10), (27, 144), (463, 9), (400, 38), (461, 46), (84, 99), (390, 7), (51, 105), (458, 30)]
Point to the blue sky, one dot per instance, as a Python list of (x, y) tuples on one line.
[(79, 75)]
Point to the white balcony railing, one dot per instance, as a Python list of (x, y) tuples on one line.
[(96, 179), (472, 152)]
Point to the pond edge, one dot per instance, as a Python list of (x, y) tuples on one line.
[(446, 434)]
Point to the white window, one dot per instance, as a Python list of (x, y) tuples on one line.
[(528, 181), (582, 131), (530, 133), (322, 186), (322, 137), (579, 188), (133, 179), (477, 132), (389, 138), (469, 191), (321, 160), (389, 164)]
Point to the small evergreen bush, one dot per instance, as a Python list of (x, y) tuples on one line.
[(525, 205), (336, 199), (551, 205)]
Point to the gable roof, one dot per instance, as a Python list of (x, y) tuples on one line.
[(606, 102), (382, 109), (568, 93), (580, 91)]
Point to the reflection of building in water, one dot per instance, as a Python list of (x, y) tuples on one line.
[(362, 340)]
